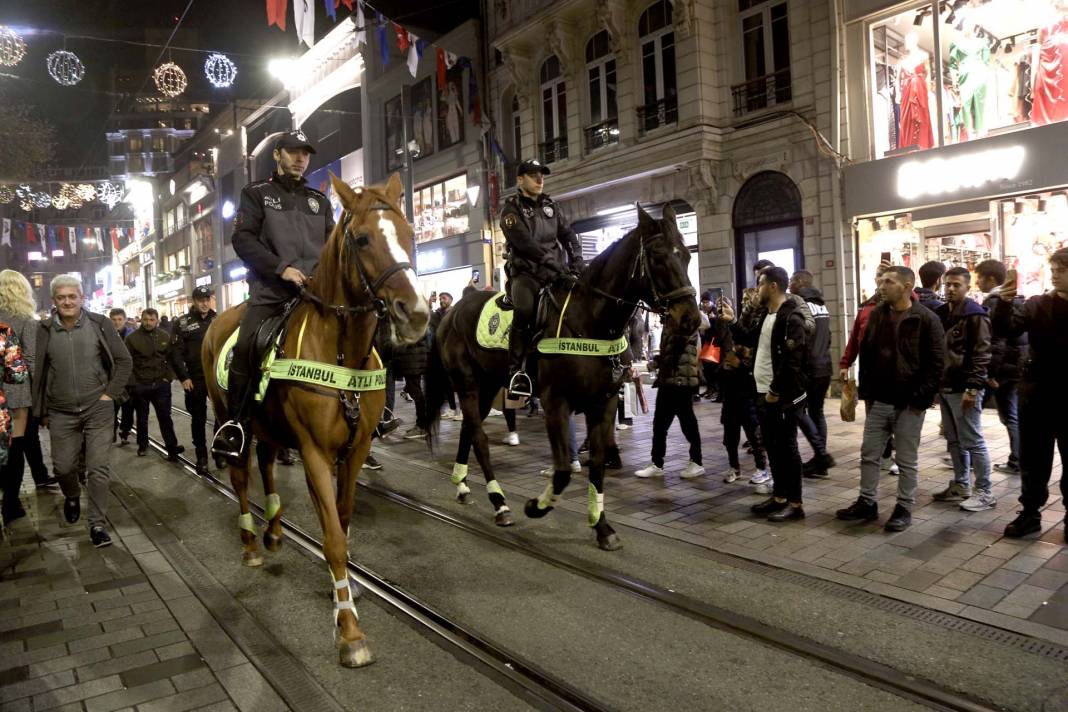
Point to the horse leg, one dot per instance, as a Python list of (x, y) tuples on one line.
[(353, 650), (250, 555), (469, 407), (600, 425), (503, 516), (557, 413), (266, 454)]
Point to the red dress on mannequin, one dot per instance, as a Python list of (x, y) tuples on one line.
[(1050, 92), (914, 127)]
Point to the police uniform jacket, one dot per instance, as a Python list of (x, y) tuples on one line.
[(540, 242), (189, 330), (281, 223)]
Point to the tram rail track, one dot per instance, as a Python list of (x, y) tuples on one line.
[(848, 664)]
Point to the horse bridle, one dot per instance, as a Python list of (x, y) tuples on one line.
[(661, 302)]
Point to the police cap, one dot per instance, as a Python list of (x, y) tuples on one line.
[(533, 166), (294, 139), (202, 292)]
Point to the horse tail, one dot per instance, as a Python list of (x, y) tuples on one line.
[(438, 384)]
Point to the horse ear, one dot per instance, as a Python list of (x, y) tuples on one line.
[(669, 213), (347, 194), (644, 219), (394, 188)]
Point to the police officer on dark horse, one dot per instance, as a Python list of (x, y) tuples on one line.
[(541, 248), (279, 231)]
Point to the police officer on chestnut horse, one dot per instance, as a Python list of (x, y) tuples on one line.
[(279, 231), (541, 248)]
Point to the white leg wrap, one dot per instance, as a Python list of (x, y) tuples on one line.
[(343, 605), (547, 498), (462, 489), (595, 505)]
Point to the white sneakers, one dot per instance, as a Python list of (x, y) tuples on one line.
[(576, 468), (762, 482), (650, 471), (511, 439), (979, 502), (692, 470), (730, 475)]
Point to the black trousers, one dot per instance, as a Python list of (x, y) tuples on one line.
[(523, 293), (738, 414), (241, 367), (123, 417), (779, 427), (22, 450), (159, 396), (1043, 427), (413, 386), (196, 402), (672, 402), (813, 422)]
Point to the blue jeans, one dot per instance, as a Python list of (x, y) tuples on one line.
[(881, 422), (964, 438), (1008, 413)]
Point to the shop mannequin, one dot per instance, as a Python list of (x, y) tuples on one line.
[(1049, 68), (969, 68), (914, 129)]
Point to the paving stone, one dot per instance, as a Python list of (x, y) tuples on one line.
[(249, 690), (193, 679), (137, 620), (163, 626), (219, 707), (117, 665), (1026, 564), (74, 693), (190, 612), (1048, 578), (218, 651), (69, 662), (198, 698), (130, 696), (982, 596), (176, 650), (960, 580), (74, 637), (115, 583), (36, 686), (1004, 578), (153, 641), (31, 631), (105, 639), (161, 670)]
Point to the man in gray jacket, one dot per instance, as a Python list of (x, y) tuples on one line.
[(81, 371)]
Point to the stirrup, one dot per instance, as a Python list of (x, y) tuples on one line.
[(520, 386), (220, 444)]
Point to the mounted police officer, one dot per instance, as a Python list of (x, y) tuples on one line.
[(541, 248), (279, 231), (189, 330)]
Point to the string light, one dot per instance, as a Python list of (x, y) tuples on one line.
[(220, 71), (170, 79), (65, 67), (7, 194), (12, 47)]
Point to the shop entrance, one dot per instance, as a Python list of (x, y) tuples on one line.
[(767, 226)]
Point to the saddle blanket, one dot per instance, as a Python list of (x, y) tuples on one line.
[(495, 325)]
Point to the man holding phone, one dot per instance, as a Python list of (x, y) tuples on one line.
[(1043, 387)]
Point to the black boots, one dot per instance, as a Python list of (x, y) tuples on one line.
[(233, 437)]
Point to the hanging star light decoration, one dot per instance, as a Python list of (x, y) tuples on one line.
[(220, 71), (87, 192), (12, 47), (65, 67), (170, 79), (7, 194)]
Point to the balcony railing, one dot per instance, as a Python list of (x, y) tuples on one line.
[(603, 134), (659, 113), (553, 150), (762, 92)]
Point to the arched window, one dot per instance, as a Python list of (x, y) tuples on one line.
[(656, 36), (601, 74), (553, 111), (767, 220)]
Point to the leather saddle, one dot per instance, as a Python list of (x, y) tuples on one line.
[(272, 332)]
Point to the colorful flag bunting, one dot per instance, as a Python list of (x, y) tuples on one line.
[(380, 31), (276, 13), (304, 20), (361, 33), (5, 232), (331, 9)]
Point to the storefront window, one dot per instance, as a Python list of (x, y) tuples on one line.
[(442, 210), (1000, 67), (1034, 228)]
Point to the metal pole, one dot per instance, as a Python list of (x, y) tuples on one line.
[(406, 134)]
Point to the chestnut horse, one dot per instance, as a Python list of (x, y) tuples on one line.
[(364, 270), (646, 268)]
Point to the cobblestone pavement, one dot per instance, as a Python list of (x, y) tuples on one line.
[(95, 630), (949, 560)]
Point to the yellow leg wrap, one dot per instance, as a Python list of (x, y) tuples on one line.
[(245, 522), (274, 504), (547, 498), (459, 473), (494, 486), (595, 505)]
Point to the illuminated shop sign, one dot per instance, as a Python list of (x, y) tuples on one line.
[(939, 176)]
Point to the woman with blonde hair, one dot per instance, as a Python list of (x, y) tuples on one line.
[(17, 309)]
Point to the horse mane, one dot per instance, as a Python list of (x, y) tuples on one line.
[(595, 269)]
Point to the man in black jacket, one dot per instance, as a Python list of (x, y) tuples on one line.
[(541, 247), (279, 231), (967, 327), (813, 423), (931, 278), (901, 362), (188, 337), (80, 371), (1043, 388), (780, 357), (1007, 356), (150, 381)]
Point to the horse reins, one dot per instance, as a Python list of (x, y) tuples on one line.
[(641, 269)]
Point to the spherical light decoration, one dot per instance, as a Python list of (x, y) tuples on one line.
[(65, 67), (87, 192), (70, 193), (220, 71), (7, 194), (42, 199), (109, 194), (59, 202), (26, 204), (170, 79), (12, 47)]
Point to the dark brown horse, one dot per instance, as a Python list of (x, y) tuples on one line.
[(646, 267), (364, 269)]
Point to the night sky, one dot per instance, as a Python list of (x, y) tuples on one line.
[(237, 28)]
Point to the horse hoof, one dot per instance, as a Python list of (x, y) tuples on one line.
[(271, 542), (531, 509), (464, 498), (610, 542), (355, 654), (252, 559), (504, 519)]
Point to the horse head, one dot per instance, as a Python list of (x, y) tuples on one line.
[(663, 260), (374, 251)]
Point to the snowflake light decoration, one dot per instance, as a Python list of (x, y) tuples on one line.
[(60, 202), (42, 199), (26, 204), (220, 71), (12, 47), (70, 193), (170, 79), (7, 194), (65, 67), (87, 192)]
